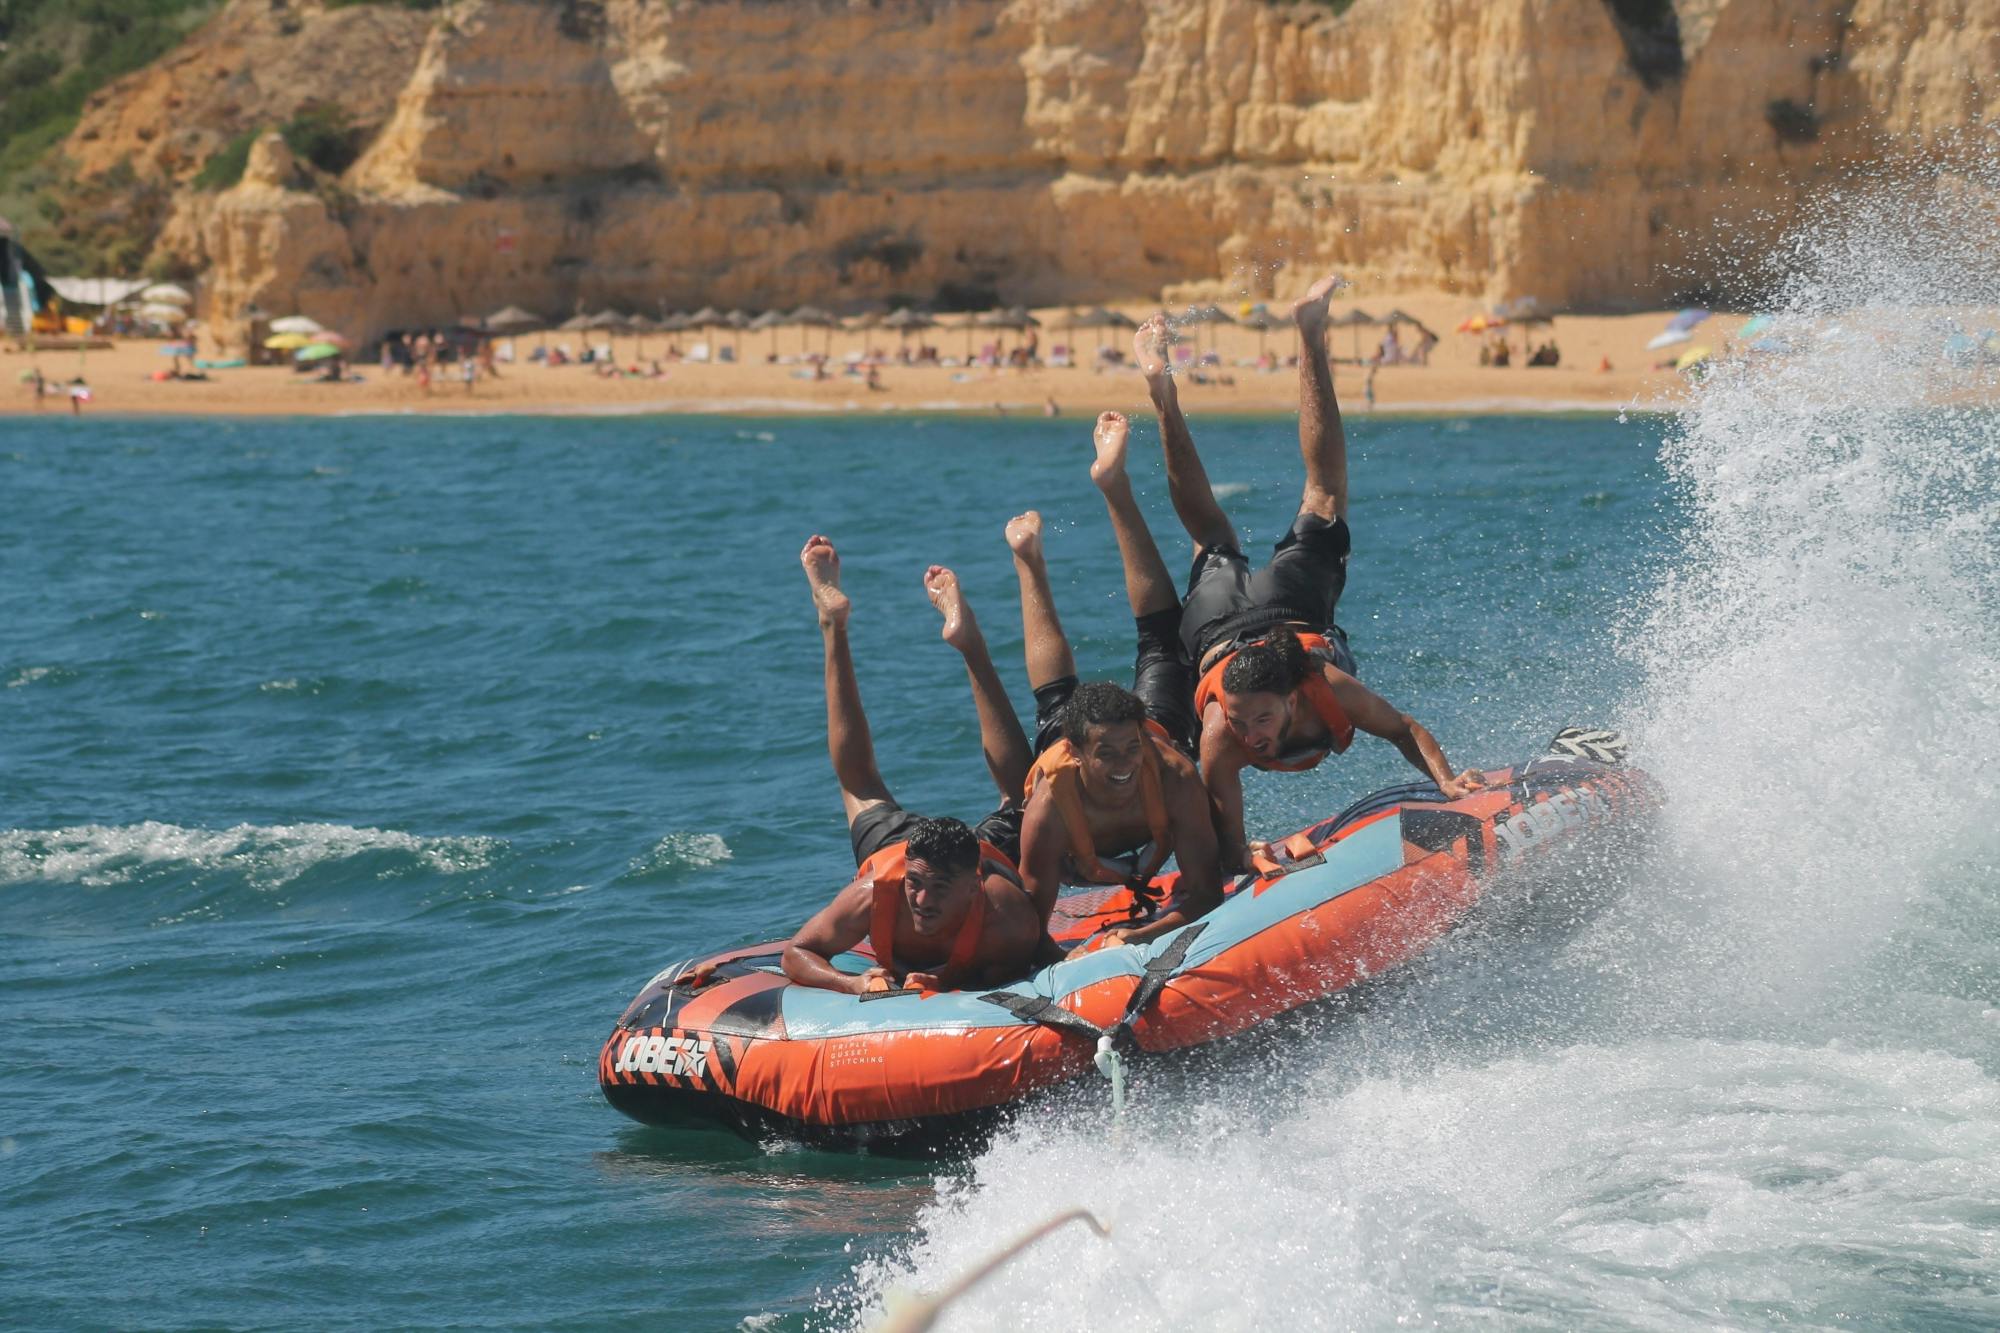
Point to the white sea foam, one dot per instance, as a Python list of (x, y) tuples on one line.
[(96, 855), (1750, 1112), (1651, 1185), (696, 850)]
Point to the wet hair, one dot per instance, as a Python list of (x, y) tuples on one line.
[(1099, 703), (946, 845), (1277, 666)]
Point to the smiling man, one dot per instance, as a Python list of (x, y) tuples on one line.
[(940, 909), (940, 904), (1112, 792)]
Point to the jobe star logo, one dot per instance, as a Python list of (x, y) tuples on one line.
[(683, 1057)]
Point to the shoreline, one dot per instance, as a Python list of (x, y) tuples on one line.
[(772, 378), (1606, 367), (766, 409)]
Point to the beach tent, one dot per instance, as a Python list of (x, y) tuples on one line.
[(98, 292)]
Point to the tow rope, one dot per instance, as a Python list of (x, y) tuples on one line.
[(1115, 1042)]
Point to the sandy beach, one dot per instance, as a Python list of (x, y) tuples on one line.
[(121, 379)]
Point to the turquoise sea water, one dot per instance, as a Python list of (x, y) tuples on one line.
[(354, 774)]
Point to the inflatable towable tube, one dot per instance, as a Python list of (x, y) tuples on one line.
[(729, 1038)]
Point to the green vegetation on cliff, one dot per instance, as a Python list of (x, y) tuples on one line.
[(53, 55)]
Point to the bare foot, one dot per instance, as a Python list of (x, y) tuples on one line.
[(960, 628), (1149, 348), (822, 565), (1310, 311), (1024, 536), (1112, 432)]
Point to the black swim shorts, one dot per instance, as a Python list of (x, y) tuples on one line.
[(1303, 582), (1162, 677), (883, 823)]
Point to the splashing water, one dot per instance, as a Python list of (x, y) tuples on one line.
[(1765, 1085)]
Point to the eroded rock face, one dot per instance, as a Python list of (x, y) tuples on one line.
[(636, 153)]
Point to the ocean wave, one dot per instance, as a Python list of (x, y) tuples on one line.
[(679, 851), (96, 855)]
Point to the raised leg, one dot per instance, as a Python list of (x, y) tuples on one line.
[(1001, 739), (1187, 481), (847, 737), (1049, 657), (1148, 585), (1322, 442)]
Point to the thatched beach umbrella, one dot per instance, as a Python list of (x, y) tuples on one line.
[(812, 317), (1356, 319), (772, 320), (1261, 320), (702, 320), (642, 325), (966, 322), (512, 319), (1016, 318), (1100, 319), (610, 323), (1199, 315), (736, 321), (905, 320), (1528, 310)]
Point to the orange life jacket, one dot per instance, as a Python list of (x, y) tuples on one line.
[(1318, 696), (885, 869), (1062, 769)]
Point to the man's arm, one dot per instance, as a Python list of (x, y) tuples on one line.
[(838, 927), (1044, 842), (1371, 713), (1009, 943), (1222, 762)]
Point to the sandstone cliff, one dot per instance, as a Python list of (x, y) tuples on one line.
[(640, 153)]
